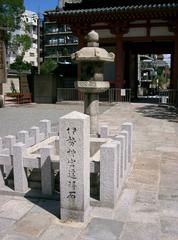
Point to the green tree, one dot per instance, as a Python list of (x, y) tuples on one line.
[(162, 78), (19, 65), (20, 44), (48, 66), (10, 13)]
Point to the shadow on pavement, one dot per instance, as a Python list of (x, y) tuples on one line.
[(159, 112)]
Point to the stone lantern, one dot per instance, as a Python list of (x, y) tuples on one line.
[(92, 59)]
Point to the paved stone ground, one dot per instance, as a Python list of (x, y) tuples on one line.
[(148, 206), (16, 118)]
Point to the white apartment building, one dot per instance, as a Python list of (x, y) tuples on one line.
[(31, 19)]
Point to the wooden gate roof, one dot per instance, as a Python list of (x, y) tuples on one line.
[(138, 10)]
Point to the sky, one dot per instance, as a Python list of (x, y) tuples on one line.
[(40, 5)]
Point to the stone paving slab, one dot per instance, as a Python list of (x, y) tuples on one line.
[(46, 207), (139, 231), (124, 205), (15, 209), (17, 237), (33, 224), (168, 208), (59, 232), (5, 224), (169, 226), (102, 229)]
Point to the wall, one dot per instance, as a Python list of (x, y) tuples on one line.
[(45, 89)]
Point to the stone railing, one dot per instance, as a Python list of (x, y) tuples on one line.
[(75, 156)]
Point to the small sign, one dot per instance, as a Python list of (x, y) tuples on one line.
[(123, 92)]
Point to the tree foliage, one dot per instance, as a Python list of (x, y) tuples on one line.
[(48, 66), (19, 65), (10, 13), (20, 44)]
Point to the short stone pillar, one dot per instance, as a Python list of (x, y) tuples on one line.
[(47, 179), (125, 134), (20, 178), (45, 127), (121, 139), (23, 136), (104, 131), (35, 133), (9, 141), (129, 128), (0, 145), (74, 152), (108, 175), (119, 178)]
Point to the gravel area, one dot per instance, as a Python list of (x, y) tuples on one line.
[(14, 119)]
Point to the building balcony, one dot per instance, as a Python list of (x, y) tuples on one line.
[(34, 45), (60, 44), (57, 56), (57, 33), (34, 36)]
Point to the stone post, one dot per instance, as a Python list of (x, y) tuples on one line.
[(9, 141), (0, 145), (1, 167), (119, 179), (47, 177), (129, 128), (104, 131), (45, 127), (74, 151), (121, 139), (125, 134), (35, 133), (108, 175), (20, 178), (23, 137)]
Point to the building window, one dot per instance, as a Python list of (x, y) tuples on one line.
[(68, 29), (32, 54), (69, 39), (61, 28), (61, 40), (75, 39), (34, 29)]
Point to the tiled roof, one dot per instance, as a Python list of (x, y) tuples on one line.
[(118, 9)]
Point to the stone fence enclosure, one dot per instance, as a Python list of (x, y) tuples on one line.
[(81, 171)]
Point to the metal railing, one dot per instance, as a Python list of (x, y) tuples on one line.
[(111, 95), (168, 97)]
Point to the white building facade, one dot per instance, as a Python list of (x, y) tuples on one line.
[(29, 19)]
